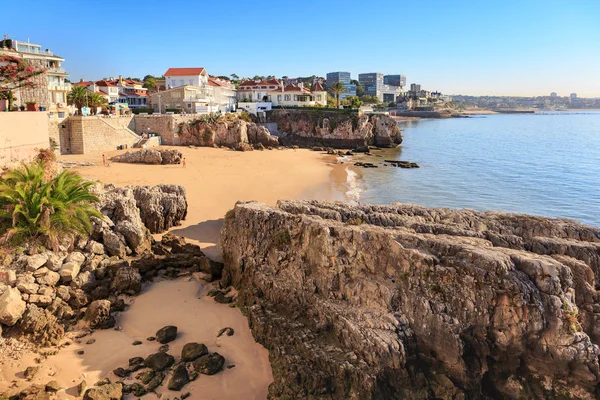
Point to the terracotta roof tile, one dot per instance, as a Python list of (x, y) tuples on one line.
[(317, 87), (183, 71)]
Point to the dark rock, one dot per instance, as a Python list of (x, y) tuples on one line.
[(166, 334), (151, 338), (121, 372), (192, 351), (209, 364), (40, 326), (80, 352), (30, 372), (102, 382), (127, 280), (156, 381), (228, 331), (90, 341), (98, 315), (134, 361), (221, 298), (164, 348), (179, 378), (118, 305), (136, 342), (137, 389), (146, 376), (402, 164), (159, 361)]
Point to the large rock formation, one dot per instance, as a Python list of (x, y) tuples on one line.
[(227, 132), (339, 129), (150, 156), (162, 206), (402, 301)]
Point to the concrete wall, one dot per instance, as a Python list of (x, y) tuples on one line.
[(21, 133)]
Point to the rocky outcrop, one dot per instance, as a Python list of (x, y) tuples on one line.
[(334, 128), (402, 301), (162, 206), (235, 134), (150, 156)]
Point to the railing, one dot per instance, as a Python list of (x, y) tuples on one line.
[(56, 70), (59, 87)]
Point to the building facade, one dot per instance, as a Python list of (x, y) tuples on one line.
[(256, 91), (375, 86), (175, 77), (345, 79), (51, 87), (298, 96), (395, 80)]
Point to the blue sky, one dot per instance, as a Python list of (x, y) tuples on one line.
[(525, 47)]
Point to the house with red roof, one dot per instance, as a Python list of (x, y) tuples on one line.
[(193, 91), (256, 91), (176, 77), (292, 95)]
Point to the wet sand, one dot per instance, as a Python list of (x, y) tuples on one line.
[(214, 179)]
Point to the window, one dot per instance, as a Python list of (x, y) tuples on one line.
[(288, 97), (295, 97), (191, 81), (189, 106), (318, 97), (181, 82), (279, 97)]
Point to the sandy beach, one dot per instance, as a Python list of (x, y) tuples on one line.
[(214, 179)]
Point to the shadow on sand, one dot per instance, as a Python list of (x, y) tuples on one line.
[(207, 233)]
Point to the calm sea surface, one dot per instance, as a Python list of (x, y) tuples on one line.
[(543, 164)]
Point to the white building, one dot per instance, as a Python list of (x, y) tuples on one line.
[(298, 96), (175, 77), (252, 91)]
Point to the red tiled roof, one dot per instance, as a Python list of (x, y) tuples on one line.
[(292, 88), (84, 84), (104, 83), (317, 87), (183, 71), (264, 82)]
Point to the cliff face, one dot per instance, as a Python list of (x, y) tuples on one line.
[(402, 301), (335, 128), (228, 133)]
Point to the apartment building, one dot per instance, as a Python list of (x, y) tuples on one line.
[(375, 85), (345, 79)]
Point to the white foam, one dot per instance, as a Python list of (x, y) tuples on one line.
[(354, 190)]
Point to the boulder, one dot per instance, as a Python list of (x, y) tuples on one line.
[(111, 391), (209, 364), (32, 263), (12, 306), (52, 387), (179, 378), (8, 277), (98, 315), (156, 381), (192, 351), (161, 207), (27, 287), (78, 298), (416, 302), (95, 247), (69, 270), (127, 280), (49, 278), (40, 326), (159, 361), (114, 244), (85, 280), (40, 300), (54, 262), (75, 257), (150, 156), (166, 334)]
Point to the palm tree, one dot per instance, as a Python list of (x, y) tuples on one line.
[(34, 207), (97, 100), (78, 96), (336, 89)]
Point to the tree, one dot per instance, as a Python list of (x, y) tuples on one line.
[(149, 82), (97, 100), (79, 97), (360, 89), (370, 99), (235, 77), (35, 207), (258, 78), (336, 89), (352, 101), (16, 73)]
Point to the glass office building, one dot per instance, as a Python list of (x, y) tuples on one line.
[(344, 78)]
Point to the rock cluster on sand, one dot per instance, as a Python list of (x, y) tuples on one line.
[(43, 292), (402, 301), (150, 156)]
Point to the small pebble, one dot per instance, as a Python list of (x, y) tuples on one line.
[(80, 352), (91, 341), (151, 339), (136, 343)]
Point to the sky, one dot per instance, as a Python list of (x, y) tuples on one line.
[(477, 47)]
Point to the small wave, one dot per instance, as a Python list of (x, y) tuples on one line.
[(354, 191)]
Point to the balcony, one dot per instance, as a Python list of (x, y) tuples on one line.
[(62, 88), (52, 70), (198, 99)]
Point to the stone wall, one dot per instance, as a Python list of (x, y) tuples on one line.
[(167, 126), (39, 93), (83, 135), (21, 134)]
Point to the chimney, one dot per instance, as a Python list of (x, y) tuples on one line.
[(120, 79), (301, 85)]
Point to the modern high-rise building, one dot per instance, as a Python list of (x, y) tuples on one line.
[(415, 88), (344, 78), (395, 80), (375, 86)]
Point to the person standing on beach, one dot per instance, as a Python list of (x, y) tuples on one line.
[(103, 160), (184, 162)]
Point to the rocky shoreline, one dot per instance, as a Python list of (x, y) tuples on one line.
[(46, 294), (402, 301)]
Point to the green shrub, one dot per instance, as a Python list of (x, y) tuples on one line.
[(33, 206), (142, 110), (174, 110)]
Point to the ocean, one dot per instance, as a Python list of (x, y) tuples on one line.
[(547, 163)]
